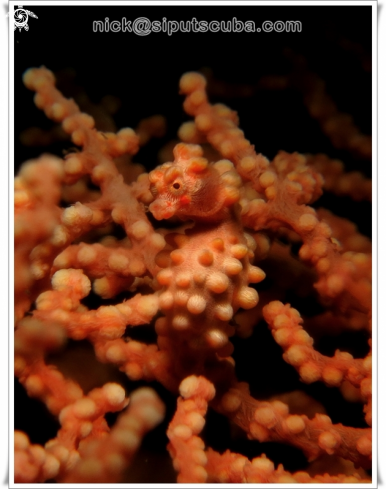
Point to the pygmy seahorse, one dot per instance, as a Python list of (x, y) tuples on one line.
[(206, 268)]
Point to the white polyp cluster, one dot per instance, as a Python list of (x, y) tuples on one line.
[(197, 386), (84, 408), (87, 255), (115, 393), (77, 215), (71, 278)]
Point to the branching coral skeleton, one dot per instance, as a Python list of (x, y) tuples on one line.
[(200, 274)]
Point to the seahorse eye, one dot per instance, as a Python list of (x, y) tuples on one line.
[(176, 187)]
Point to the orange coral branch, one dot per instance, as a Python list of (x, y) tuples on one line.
[(190, 285)]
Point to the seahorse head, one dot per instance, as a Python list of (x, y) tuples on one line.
[(191, 188)]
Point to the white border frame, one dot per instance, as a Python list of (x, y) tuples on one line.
[(380, 171)]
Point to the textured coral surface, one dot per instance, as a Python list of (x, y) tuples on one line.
[(204, 316)]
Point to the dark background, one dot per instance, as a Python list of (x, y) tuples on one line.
[(143, 72)]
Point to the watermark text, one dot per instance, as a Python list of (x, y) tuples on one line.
[(142, 26)]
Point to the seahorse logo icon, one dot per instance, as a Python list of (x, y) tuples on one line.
[(20, 18)]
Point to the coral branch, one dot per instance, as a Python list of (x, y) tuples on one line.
[(152, 275), (185, 447), (271, 421), (106, 457)]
